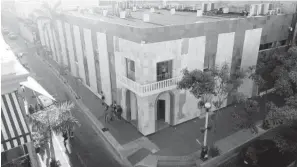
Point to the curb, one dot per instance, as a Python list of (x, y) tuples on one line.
[(106, 135)]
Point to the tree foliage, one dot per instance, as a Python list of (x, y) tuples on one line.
[(282, 67), (56, 118), (217, 82), (214, 86)]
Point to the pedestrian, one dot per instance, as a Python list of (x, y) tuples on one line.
[(108, 114), (114, 105), (65, 136), (37, 107), (31, 109), (119, 112), (40, 106)]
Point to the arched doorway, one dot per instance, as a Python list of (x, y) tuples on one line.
[(131, 105), (164, 110)]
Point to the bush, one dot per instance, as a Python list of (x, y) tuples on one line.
[(214, 151), (55, 163)]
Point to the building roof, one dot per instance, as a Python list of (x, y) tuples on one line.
[(9, 62), (14, 130), (158, 19)]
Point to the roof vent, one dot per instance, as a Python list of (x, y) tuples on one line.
[(278, 10), (225, 10), (146, 17), (253, 10), (267, 7), (134, 9), (260, 10), (210, 6), (123, 14), (204, 7), (152, 10), (104, 12), (172, 11), (199, 13)]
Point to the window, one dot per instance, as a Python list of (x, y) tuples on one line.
[(283, 42), (130, 69), (164, 70), (131, 66), (265, 46)]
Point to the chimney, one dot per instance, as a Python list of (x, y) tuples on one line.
[(260, 10), (146, 17), (123, 14), (204, 7), (199, 13), (225, 10), (267, 8), (278, 10), (210, 6), (172, 11), (253, 9), (104, 12), (152, 10)]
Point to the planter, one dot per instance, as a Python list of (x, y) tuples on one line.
[(37, 150)]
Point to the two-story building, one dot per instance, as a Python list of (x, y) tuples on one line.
[(137, 60)]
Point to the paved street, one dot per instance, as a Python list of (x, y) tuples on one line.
[(87, 148)]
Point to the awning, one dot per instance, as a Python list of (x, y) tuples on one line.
[(14, 130), (35, 86)]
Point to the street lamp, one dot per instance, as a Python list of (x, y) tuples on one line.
[(204, 150)]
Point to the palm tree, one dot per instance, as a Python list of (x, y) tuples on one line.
[(55, 118)]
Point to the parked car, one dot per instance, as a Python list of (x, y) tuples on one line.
[(262, 153), (12, 36), (5, 31)]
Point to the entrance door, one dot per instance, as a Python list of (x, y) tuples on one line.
[(161, 110)]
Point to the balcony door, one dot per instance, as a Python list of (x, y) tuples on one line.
[(164, 70), (130, 69)]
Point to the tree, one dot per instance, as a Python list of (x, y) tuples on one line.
[(214, 85), (245, 119), (55, 118), (282, 67)]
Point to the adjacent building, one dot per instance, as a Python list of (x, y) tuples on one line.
[(135, 59), (16, 142)]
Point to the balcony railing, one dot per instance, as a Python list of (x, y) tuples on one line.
[(149, 89), (164, 76)]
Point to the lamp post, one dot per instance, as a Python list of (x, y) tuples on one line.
[(204, 150)]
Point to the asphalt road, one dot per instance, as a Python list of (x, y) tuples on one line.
[(88, 149)]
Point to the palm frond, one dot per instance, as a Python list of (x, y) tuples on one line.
[(57, 4)]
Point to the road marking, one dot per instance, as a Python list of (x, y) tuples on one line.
[(81, 160), (197, 140)]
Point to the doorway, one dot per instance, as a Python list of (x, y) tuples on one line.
[(161, 110)]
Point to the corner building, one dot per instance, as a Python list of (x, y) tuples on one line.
[(138, 64)]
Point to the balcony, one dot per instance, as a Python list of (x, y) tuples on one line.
[(149, 89)]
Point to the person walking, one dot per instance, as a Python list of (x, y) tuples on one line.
[(65, 136), (108, 114), (31, 109)]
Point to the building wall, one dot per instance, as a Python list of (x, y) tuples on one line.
[(195, 46), (90, 59), (70, 46), (250, 57), (79, 52), (64, 58)]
